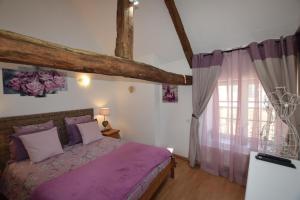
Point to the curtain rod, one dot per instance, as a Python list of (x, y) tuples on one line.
[(239, 48)]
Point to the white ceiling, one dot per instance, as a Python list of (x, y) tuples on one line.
[(210, 24), (213, 24)]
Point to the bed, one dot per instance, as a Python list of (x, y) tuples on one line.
[(20, 179)]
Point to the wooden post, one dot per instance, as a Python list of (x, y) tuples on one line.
[(17, 48), (185, 43), (124, 40)]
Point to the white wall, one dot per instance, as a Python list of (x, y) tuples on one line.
[(175, 118), (99, 93), (138, 112), (140, 115)]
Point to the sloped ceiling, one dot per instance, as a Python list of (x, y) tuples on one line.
[(210, 24), (219, 24)]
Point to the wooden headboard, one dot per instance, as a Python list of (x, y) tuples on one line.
[(7, 123)]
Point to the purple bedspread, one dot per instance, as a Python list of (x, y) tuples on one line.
[(110, 177)]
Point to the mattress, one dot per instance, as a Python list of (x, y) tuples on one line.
[(19, 179)]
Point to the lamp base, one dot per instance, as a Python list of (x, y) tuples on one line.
[(106, 125)]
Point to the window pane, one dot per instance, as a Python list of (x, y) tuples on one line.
[(223, 126), (224, 112), (223, 104), (251, 92), (223, 93), (250, 113), (250, 128), (234, 113), (235, 92), (234, 104), (255, 113)]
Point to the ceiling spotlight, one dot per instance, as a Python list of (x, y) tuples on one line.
[(135, 2)]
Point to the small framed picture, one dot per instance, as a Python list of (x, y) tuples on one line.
[(169, 93)]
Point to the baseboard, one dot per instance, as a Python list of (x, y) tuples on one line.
[(181, 157)]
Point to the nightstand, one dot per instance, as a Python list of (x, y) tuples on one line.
[(114, 133)]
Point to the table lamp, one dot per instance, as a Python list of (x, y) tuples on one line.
[(105, 112)]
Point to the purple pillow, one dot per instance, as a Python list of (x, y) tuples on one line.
[(72, 129), (33, 128), (16, 147)]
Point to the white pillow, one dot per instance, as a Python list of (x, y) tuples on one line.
[(89, 132), (42, 145)]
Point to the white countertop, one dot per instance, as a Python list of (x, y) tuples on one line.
[(268, 181)]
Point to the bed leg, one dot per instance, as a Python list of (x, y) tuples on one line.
[(173, 167)]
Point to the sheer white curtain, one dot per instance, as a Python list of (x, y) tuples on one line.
[(233, 119)]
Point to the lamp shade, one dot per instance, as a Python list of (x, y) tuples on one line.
[(104, 111)]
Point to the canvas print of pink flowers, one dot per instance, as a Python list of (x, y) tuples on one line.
[(170, 93), (36, 83)]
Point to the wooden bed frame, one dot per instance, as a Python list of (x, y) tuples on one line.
[(6, 128), (159, 179)]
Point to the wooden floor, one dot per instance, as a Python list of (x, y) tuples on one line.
[(195, 184)]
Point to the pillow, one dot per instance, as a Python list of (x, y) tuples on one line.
[(33, 128), (16, 147), (42, 145), (90, 132), (72, 130)]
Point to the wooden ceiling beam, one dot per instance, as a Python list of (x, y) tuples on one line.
[(17, 48), (124, 40), (185, 43)]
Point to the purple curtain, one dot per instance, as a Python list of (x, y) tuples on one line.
[(206, 70), (277, 64), (228, 96)]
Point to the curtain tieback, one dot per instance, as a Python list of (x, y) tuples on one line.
[(194, 116)]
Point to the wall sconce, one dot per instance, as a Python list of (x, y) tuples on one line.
[(135, 2), (131, 89), (84, 80)]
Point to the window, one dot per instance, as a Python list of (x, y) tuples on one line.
[(238, 111), (254, 115)]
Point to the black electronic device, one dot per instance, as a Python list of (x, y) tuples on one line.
[(275, 160)]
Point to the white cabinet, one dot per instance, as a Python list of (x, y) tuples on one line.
[(268, 181)]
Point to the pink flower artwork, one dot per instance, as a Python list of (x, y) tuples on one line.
[(59, 81), (15, 84), (45, 76), (34, 88), (50, 86), (36, 83), (170, 93)]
